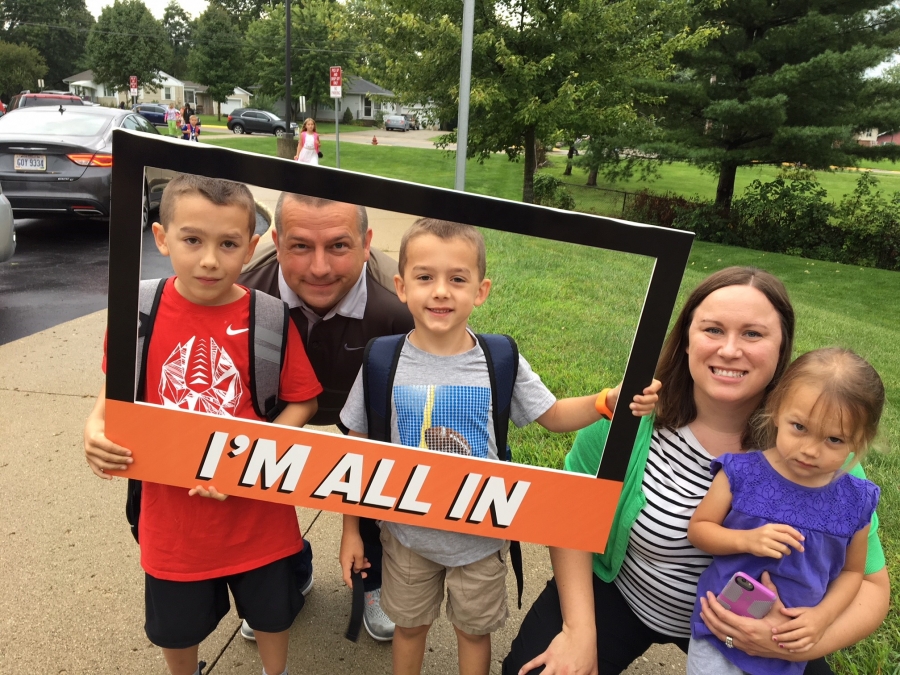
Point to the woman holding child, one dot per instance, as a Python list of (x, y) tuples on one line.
[(729, 346)]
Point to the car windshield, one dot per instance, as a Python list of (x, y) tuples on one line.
[(67, 124)]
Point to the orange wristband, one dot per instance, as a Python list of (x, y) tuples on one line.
[(600, 404)]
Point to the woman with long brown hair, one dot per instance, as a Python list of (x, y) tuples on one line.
[(729, 346)]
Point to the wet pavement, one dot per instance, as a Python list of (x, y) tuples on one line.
[(59, 273)]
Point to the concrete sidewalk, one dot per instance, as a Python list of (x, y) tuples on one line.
[(71, 600)]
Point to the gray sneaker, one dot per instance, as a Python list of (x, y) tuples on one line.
[(247, 632), (377, 623)]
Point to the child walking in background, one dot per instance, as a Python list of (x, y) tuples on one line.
[(792, 510), (190, 131), (442, 374), (308, 149), (172, 120)]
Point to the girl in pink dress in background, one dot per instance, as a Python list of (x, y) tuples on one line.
[(308, 149)]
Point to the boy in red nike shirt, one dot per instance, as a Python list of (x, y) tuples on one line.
[(197, 544)]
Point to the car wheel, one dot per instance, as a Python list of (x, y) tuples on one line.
[(145, 208), (238, 128), (279, 132)]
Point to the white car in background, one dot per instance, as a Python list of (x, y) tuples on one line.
[(7, 229)]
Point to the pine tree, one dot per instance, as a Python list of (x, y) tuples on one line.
[(784, 81)]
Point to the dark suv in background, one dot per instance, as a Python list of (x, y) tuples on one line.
[(251, 120), (152, 112), (27, 99)]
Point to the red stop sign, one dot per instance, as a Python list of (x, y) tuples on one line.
[(335, 76)]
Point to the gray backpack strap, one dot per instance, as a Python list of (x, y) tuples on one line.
[(150, 292), (269, 321)]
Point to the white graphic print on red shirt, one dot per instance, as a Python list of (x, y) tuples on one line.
[(200, 376)]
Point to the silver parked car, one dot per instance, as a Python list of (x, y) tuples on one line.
[(397, 122), (58, 161), (7, 229)]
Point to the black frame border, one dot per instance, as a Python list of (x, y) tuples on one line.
[(132, 151)]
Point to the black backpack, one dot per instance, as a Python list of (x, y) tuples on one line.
[(269, 321)]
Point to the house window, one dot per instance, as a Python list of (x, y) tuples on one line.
[(367, 107), (189, 96), (167, 92)]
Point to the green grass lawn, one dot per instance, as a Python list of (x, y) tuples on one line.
[(689, 181), (573, 312), (496, 177)]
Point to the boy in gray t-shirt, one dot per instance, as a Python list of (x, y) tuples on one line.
[(442, 400)]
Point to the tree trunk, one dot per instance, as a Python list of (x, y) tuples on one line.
[(592, 178), (220, 110), (568, 171), (528, 187), (286, 146), (725, 189)]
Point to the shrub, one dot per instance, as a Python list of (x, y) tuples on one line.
[(790, 216), (869, 227), (348, 116), (549, 191), (787, 216), (653, 209)]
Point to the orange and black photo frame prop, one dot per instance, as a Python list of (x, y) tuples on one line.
[(351, 475)]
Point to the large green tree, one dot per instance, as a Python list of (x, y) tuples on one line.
[(784, 81), (179, 28), (216, 56), (539, 67), (318, 40), (20, 68), (244, 12), (57, 29), (125, 41)]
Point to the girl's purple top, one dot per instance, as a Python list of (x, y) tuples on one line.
[(827, 517)]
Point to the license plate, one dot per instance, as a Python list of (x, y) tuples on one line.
[(31, 162)]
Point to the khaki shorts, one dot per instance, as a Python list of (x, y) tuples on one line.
[(413, 589)]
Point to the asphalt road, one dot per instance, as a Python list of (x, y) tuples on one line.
[(59, 273)]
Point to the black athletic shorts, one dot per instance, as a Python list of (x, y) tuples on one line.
[(181, 614)]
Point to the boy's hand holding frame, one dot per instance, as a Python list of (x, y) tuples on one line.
[(318, 470)]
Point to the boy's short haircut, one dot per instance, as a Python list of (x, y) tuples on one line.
[(216, 190), (445, 229)]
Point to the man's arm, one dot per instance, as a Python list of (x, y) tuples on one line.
[(100, 452)]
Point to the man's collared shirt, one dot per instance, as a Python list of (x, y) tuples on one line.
[(352, 305)]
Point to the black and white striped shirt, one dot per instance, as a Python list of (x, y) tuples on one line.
[(659, 575)]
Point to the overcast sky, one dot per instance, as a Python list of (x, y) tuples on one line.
[(193, 7)]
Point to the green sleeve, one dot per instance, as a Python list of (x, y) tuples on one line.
[(585, 458), (587, 451), (875, 561)]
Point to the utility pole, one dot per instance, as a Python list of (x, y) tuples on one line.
[(465, 84), (287, 63)]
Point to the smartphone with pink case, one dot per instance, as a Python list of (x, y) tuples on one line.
[(745, 596)]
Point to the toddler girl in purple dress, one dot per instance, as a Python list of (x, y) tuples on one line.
[(792, 510)]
